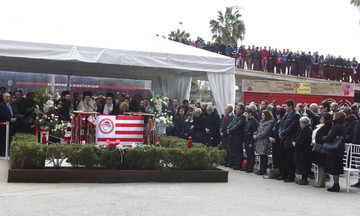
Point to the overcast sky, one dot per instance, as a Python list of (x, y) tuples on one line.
[(327, 26)]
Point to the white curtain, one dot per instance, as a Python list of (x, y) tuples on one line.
[(174, 86), (223, 88)]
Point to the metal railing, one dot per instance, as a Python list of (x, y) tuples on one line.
[(319, 71)]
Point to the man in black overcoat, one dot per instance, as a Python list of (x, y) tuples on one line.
[(236, 132), (287, 133), (7, 113), (226, 140)]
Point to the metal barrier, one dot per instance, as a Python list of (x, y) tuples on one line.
[(7, 142)]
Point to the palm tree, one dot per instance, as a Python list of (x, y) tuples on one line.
[(228, 28), (179, 34)]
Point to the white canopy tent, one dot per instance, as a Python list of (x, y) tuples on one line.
[(168, 64)]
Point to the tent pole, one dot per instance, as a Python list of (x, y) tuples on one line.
[(68, 81)]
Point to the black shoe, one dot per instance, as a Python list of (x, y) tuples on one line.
[(236, 168), (356, 185), (302, 182), (281, 178), (227, 165), (289, 180), (244, 169), (260, 173), (334, 188), (249, 171)]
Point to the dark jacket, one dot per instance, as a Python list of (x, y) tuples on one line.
[(315, 118), (303, 148), (356, 137), (323, 131), (236, 128), (336, 130), (212, 122), (199, 130), (257, 115), (173, 111), (64, 110), (122, 112), (250, 128), (5, 114), (275, 131), (350, 128), (288, 128), (186, 128), (115, 110), (223, 128), (21, 106), (179, 126)]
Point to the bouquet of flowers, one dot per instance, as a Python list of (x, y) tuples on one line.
[(164, 120), (46, 108), (162, 110), (59, 129), (160, 104)]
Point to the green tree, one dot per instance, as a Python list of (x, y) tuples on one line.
[(179, 34), (228, 27)]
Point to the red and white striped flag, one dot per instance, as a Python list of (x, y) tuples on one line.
[(127, 129)]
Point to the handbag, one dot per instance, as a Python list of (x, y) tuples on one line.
[(318, 148), (336, 145)]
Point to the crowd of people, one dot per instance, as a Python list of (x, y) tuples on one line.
[(19, 110), (288, 132), (305, 64)]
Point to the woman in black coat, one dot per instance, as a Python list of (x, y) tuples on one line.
[(277, 149), (319, 159), (179, 121), (199, 130), (334, 158), (188, 126), (302, 155)]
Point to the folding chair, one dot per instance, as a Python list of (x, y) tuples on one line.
[(352, 162)]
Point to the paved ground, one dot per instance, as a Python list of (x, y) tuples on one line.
[(244, 194)]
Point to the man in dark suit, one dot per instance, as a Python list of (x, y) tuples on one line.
[(175, 107), (236, 132), (287, 133), (250, 128), (226, 140), (7, 113)]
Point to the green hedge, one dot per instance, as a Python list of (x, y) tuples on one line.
[(174, 142), (27, 155), (173, 154)]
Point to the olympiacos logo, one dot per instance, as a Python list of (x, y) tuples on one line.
[(106, 126)]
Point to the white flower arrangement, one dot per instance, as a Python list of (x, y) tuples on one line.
[(162, 110)]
